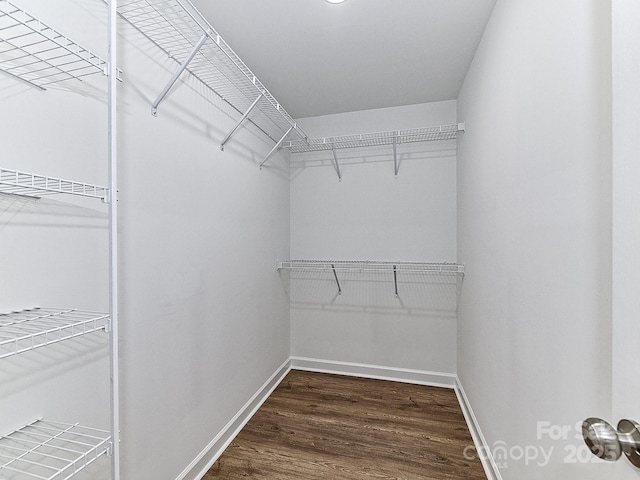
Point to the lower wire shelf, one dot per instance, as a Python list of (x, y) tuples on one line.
[(32, 185), (30, 329), (49, 450), (373, 266), (394, 269)]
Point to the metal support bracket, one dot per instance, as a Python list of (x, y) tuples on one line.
[(335, 275), (178, 72), (276, 147), (396, 167), (395, 279), (108, 326), (335, 162), (244, 117)]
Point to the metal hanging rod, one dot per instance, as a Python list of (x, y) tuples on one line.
[(30, 329), (39, 55), (46, 450), (31, 185), (183, 33)]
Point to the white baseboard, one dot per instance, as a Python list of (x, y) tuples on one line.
[(205, 460), (420, 377), (483, 450)]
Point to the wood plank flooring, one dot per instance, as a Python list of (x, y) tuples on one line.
[(320, 426)]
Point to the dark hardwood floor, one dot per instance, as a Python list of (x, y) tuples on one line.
[(320, 426)]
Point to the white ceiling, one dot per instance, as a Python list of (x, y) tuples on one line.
[(317, 58)]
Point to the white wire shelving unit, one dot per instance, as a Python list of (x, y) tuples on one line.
[(32, 185), (376, 139), (394, 269), (30, 329), (38, 54), (183, 33), (50, 450)]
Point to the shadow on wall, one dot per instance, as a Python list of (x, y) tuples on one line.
[(419, 294), (88, 88), (34, 367), (212, 118), (50, 213)]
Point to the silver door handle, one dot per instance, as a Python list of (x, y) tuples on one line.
[(608, 443)]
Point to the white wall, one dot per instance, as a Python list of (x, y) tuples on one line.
[(204, 315), (534, 229), (372, 215), (205, 318)]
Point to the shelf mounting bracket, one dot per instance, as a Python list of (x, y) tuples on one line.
[(396, 167), (335, 275), (335, 161), (276, 147), (181, 68), (244, 117), (395, 279)]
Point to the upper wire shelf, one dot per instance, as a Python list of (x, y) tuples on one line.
[(29, 184), (30, 329), (36, 53), (397, 137), (183, 33), (46, 450), (362, 140)]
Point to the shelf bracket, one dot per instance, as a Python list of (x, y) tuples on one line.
[(276, 147), (396, 167), (244, 117), (335, 161), (395, 279), (178, 72), (335, 275)]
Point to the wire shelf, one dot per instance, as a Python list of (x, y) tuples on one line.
[(372, 266), (38, 54), (426, 134), (48, 450), (31, 185), (30, 329), (180, 30)]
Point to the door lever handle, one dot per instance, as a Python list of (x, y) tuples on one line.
[(608, 443)]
